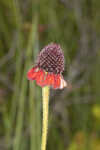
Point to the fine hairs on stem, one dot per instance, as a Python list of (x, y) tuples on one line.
[(45, 97)]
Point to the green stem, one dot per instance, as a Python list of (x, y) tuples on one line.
[(45, 95)]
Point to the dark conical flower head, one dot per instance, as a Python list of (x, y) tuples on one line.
[(51, 59), (49, 67)]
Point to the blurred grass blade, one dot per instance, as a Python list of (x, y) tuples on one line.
[(22, 97)]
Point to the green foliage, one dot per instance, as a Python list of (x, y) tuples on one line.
[(26, 27)]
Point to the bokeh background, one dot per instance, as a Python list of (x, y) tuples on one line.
[(26, 26)]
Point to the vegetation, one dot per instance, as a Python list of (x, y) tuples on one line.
[(26, 26)]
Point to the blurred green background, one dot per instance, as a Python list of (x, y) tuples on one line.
[(26, 26)]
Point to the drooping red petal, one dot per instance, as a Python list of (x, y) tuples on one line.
[(53, 80), (40, 79), (57, 82), (46, 79), (32, 73), (50, 79)]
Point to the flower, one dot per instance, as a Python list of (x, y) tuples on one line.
[(49, 67)]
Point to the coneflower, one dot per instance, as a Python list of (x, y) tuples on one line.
[(48, 73), (49, 67)]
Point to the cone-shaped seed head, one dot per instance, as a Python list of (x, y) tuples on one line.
[(51, 59)]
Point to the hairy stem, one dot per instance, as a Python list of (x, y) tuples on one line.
[(45, 96)]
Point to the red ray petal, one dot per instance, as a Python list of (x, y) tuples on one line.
[(57, 82), (43, 79), (50, 79), (53, 80), (40, 79), (32, 73)]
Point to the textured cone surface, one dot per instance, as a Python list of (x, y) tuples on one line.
[(51, 59)]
